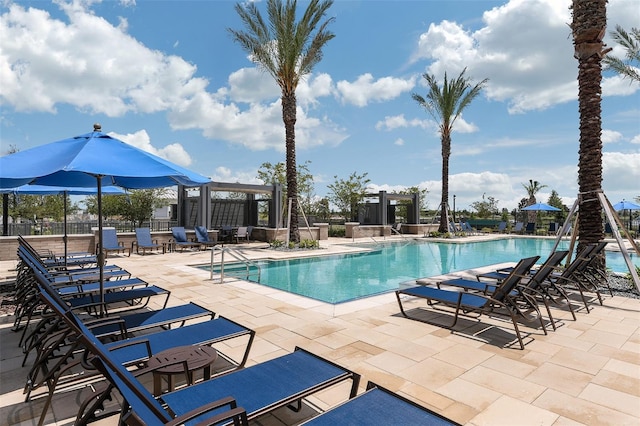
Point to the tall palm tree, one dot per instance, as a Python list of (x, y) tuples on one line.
[(288, 50), (445, 104), (588, 28), (627, 67), (532, 189)]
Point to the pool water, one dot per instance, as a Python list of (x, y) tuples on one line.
[(342, 278)]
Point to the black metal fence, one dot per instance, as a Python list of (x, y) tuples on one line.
[(57, 228)]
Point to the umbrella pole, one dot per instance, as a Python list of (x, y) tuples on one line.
[(100, 252), (64, 237)]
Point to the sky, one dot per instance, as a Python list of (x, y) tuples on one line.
[(167, 77)]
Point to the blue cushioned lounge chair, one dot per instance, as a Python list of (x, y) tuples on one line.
[(534, 283), (202, 235), (180, 239), (143, 241), (258, 389), (379, 406), (110, 243), (135, 350), (464, 302)]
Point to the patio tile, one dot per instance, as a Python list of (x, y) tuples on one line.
[(583, 411), (509, 411), (560, 378), (581, 361), (587, 372), (504, 383), (471, 394)]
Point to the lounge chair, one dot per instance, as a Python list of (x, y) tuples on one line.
[(242, 234), (258, 389), (180, 239), (464, 302), (534, 284), (133, 350), (379, 406), (202, 236), (110, 243), (553, 228), (226, 233), (531, 228), (518, 228), (467, 228), (502, 227), (143, 241), (581, 276)]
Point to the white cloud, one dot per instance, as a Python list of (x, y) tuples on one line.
[(636, 139), (524, 47), (174, 152), (399, 121), (45, 62), (399, 142), (225, 174), (620, 174), (610, 136), (366, 90)]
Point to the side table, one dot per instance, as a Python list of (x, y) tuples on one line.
[(176, 361)]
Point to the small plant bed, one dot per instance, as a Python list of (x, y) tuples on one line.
[(302, 245)]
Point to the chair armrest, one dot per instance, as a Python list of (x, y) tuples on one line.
[(126, 344), (238, 414)]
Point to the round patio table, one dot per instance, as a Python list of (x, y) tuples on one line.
[(181, 360)]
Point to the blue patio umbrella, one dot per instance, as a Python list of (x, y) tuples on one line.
[(93, 160), (56, 190), (626, 205), (541, 207)]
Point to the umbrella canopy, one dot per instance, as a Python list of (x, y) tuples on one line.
[(93, 160), (55, 190), (81, 160), (625, 205), (541, 207)]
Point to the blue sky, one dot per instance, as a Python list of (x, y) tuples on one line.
[(167, 77)]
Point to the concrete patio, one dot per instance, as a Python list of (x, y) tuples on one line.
[(586, 372)]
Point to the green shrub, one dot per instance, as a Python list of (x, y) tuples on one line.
[(309, 244), (276, 243), (337, 231)]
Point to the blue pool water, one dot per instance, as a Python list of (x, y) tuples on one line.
[(341, 278)]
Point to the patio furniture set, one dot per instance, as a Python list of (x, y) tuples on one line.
[(68, 345)]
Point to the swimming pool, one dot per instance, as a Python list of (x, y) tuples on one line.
[(342, 278)]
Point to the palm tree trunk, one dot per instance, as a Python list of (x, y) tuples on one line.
[(589, 24), (446, 153), (289, 118)]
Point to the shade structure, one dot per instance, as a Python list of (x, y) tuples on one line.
[(57, 190), (541, 207), (93, 160)]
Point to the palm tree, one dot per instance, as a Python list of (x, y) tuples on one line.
[(288, 50), (532, 189), (627, 67), (445, 105), (588, 28)]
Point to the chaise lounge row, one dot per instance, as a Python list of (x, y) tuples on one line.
[(515, 292)]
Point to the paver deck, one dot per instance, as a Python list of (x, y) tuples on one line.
[(586, 372)]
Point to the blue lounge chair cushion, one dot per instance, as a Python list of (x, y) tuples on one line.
[(149, 319), (379, 407), (118, 296), (95, 286), (446, 296), (202, 333), (261, 387)]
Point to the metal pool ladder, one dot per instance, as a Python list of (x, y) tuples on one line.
[(238, 256)]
